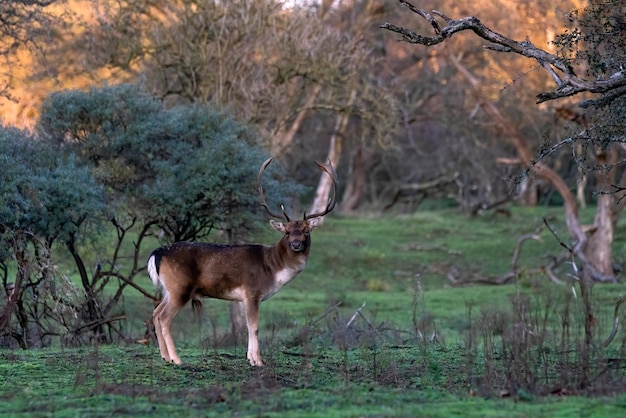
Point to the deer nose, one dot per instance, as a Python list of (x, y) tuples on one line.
[(297, 245)]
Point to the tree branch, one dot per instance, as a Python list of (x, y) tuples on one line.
[(567, 83)]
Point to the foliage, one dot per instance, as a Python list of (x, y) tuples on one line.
[(596, 44), (27, 25), (45, 197), (186, 170), (43, 192), (598, 38), (284, 80), (282, 57), (592, 249), (25, 22)]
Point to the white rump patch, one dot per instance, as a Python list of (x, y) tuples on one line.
[(152, 272)]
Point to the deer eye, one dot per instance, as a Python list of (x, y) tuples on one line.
[(307, 232)]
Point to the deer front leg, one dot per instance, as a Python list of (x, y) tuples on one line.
[(252, 320)]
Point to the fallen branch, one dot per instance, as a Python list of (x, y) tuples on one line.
[(609, 340), (358, 311), (328, 311), (520, 241), (97, 323), (515, 272)]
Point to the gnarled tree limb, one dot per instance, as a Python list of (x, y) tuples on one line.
[(567, 82)]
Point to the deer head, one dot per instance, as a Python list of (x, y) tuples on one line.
[(296, 233)]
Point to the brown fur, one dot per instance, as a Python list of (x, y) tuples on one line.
[(249, 273)]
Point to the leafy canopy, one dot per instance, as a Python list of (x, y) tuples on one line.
[(44, 193), (185, 169)]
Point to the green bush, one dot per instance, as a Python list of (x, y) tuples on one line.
[(186, 169)]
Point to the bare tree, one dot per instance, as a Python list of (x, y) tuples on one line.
[(25, 25), (592, 245), (26, 22), (271, 66)]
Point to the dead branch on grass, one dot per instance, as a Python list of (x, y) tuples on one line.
[(328, 312), (619, 302), (98, 322), (367, 321), (358, 311), (518, 247), (515, 271)]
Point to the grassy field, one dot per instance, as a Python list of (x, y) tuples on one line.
[(373, 327)]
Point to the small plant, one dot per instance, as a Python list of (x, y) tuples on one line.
[(376, 285)]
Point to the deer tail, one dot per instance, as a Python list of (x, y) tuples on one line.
[(153, 268)]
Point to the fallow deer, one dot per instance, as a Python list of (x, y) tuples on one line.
[(249, 273)]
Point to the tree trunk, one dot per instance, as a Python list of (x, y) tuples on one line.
[(92, 314), (238, 323), (529, 191), (334, 152), (600, 240), (355, 183), (598, 249), (14, 296), (284, 137), (581, 184)]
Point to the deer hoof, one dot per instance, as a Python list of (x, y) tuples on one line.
[(255, 362)]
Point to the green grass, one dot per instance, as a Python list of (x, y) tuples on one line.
[(315, 365), (128, 381)]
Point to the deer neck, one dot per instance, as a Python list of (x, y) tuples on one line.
[(284, 265)]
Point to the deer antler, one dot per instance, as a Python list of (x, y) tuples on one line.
[(330, 170), (262, 195), (327, 167)]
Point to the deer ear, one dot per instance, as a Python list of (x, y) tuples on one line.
[(314, 222), (279, 226)]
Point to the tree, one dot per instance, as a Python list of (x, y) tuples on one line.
[(45, 198), (26, 24), (283, 78), (592, 246), (141, 151), (432, 136)]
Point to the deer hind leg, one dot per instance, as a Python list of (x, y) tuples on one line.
[(158, 329), (252, 320), (163, 316)]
